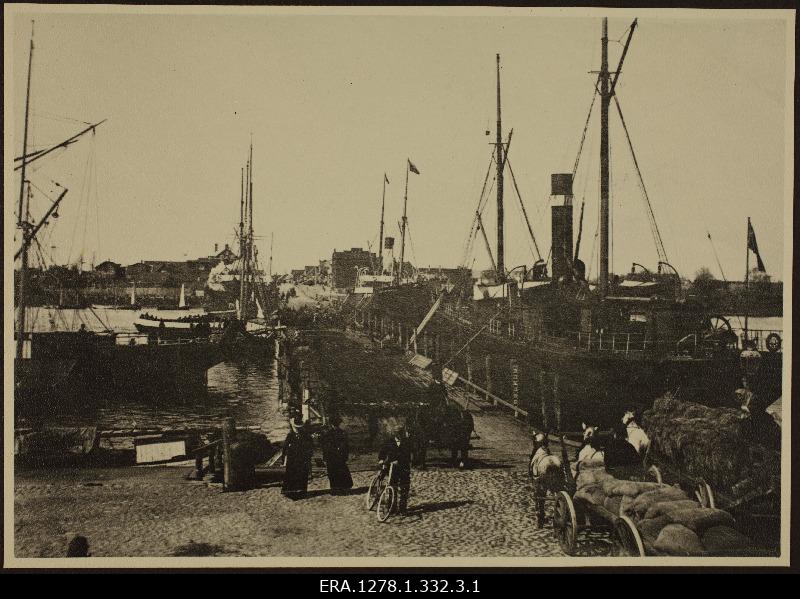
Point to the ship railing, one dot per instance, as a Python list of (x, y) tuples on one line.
[(145, 339), (758, 337)]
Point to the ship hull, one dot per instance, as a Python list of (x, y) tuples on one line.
[(99, 366), (562, 384)]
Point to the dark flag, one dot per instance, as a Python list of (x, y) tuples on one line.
[(386, 178), (388, 243), (412, 168), (752, 245)]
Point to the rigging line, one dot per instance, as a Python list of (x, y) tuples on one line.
[(662, 254), (585, 129), (724, 278), (471, 339), (714, 249), (56, 117), (473, 230), (482, 203), (522, 206)]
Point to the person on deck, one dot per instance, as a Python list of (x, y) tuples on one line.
[(297, 450), (335, 451), (397, 451)]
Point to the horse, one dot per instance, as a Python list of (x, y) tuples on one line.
[(547, 474), (636, 435), (612, 449), (451, 429)]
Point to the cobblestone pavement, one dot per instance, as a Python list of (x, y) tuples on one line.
[(483, 511)]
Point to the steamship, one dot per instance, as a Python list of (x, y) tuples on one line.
[(567, 350)]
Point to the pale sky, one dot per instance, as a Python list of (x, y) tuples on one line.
[(333, 102)]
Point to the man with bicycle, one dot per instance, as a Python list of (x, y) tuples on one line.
[(397, 451)]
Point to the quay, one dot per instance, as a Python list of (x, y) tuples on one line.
[(486, 510)]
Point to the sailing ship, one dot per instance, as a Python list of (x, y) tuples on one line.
[(257, 302), (568, 349), (57, 365)]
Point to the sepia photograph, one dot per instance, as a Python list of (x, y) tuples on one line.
[(294, 286)]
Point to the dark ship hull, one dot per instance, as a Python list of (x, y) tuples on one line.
[(75, 364), (563, 380)]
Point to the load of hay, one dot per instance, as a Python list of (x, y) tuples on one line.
[(669, 522), (713, 444)]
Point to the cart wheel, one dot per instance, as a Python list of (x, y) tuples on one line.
[(656, 474), (386, 504), (629, 539), (704, 494), (376, 487), (565, 522)]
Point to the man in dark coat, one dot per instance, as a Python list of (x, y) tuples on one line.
[(297, 450), (335, 451), (397, 451)]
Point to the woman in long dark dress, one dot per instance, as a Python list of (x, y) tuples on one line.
[(335, 451), (298, 449)]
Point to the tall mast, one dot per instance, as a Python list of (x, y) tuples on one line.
[(403, 227), (747, 285), (250, 226), (22, 222), (501, 273), (605, 99), (241, 249), (380, 247), (271, 239)]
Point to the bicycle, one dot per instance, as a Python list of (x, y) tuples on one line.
[(383, 492)]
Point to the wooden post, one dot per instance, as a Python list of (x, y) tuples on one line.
[(556, 401), (228, 432), (514, 366), (468, 360), (543, 396), (489, 376)]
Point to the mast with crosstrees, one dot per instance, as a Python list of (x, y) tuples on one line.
[(501, 273), (22, 222)]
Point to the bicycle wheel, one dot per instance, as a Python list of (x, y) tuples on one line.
[(376, 486), (386, 504)]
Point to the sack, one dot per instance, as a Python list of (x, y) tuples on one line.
[(676, 539), (661, 508), (643, 502), (651, 528), (627, 487), (701, 518), (724, 540), (591, 493), (612, 504)]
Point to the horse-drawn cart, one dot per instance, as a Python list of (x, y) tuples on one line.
[(718, 458), (644, 517), (595, 500)]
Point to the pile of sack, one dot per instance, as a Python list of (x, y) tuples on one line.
[(713, 444), (669, 522)]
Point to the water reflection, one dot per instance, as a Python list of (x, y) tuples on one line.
[(245, 390)]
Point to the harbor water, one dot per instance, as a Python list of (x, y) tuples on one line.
[(246, 390)]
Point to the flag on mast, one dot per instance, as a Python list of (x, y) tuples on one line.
[(412, 168), (752, 245)]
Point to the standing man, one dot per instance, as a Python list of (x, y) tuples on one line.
[(297, 451), (335, 451), (397, 451)]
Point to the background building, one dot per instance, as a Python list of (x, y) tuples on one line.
[(344, 266)]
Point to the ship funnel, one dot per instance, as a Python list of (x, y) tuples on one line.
[(561, 190)]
